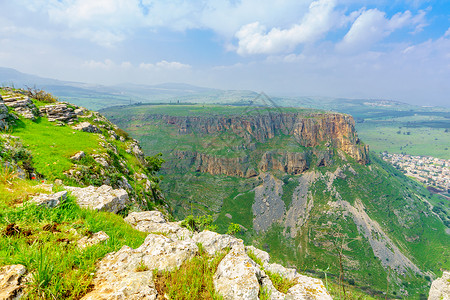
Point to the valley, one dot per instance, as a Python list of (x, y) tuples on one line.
[(301, 185)]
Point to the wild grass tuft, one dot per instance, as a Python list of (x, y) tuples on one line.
[(193, 280)]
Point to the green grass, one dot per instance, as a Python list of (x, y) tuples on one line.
[(422, 140), (52, 146), (193, 280), (60, 269)]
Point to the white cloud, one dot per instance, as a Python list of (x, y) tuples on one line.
[(319, 20), (373, 25), (107, 64), (173, 65)]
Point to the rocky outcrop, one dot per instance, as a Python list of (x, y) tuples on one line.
[(87, 127), (128, 273), (96, 238), (237, 276), (440, 288), (3, 115), (50, 200), (21, 104), (308, 129), (59, 112), (155, 222), (103, 198), (11, 286)]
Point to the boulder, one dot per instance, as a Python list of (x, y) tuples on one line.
[(103, 198), (59, 112), (96, 238), (121, 275), (440, 288), (11, 287), (237, 276), (49, 200), (213, 242), (155, 222), (87, 127), (78, 155), (308, 288)]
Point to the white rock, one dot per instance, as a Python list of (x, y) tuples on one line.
[(10, 281), (118, 275), (49, 200), (263, 256), (103, 198), (87, 127), (440, 288), (237, 276), (96, 238), (213, 242), (308, 288), (288, 273), (78, 155), (155, 222)]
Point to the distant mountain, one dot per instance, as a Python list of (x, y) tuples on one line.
[(100, 96)]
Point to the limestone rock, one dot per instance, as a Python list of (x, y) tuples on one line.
[(103, 198), (261, 255), (213, 242), (237, 275), (96, 238), (10, 282), (155, 222), (78, 155), (308, 288), (119, 275), (288, 273), (440, 288), (87, 127), (50, 200), (21, 104), (59, 112)]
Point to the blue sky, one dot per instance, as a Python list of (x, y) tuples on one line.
[(397, 49)]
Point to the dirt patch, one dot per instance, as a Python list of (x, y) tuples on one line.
[(51, 227), (13, 229)]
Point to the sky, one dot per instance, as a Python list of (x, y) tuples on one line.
[(375, 49)]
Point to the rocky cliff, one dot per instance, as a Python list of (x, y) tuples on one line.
[(309, 130), (317, 136)]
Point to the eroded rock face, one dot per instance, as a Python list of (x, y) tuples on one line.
[(3, 115), (10, 282), (440, 288), (309, 130), (103, 198)]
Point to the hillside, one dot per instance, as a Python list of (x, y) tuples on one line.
[(302, 186)]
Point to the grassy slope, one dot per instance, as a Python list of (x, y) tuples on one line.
[(52, 145), (61, 269)]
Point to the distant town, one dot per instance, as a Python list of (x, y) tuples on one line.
[(431, 171)]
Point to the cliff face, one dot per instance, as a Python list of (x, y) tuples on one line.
[(320, 133)]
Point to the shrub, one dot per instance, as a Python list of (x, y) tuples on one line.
[(41, 95), (234, 229), (199, 223)]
